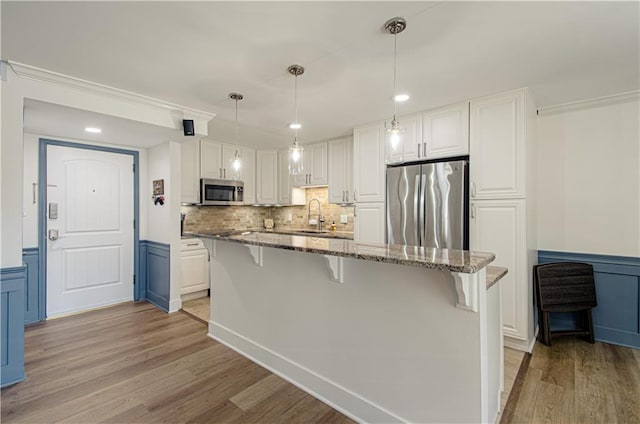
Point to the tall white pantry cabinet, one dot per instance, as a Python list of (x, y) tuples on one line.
[(502, 204)]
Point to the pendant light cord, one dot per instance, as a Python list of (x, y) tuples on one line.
[(395, 62), (295, 106), (236, 127)]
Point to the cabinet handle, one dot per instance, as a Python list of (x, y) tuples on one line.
[(355, 212), (424, 149), (473, 188), (343, 195), (419, 150), (220, 173), (225, 172), (33, 187), (473, 212), (355, 192), (347, 195)]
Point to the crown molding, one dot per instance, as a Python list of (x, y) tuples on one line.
[(589, 103), (38, 74)]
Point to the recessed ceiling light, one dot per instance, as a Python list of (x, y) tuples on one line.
[(295, 126), (401, 98), (93, 130)]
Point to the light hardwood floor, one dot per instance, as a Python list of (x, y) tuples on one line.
[(199, 307), (574, 381), (136, 364)]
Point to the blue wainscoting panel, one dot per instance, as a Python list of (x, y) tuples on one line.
[(155, 273), (616, 319), (32, 311), (12, 281)]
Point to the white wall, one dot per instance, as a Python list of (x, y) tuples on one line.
[(164, 221), (30, 172), (589, 177)]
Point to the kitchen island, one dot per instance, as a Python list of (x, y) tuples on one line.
[(382, 333)]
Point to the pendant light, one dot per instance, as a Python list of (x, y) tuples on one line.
[(395, 26), (236, 162), (295, 151)]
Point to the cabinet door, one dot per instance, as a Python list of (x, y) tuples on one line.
[(301, 180), (318, 160), (267, 177), (195, 271), (368, 222), (210, 159), (337, 177), (497, 146), (285, 182), (445, 131), (190, 171), (368, 163), (498, 226), (411, 138), (248, 175), (228, 154)]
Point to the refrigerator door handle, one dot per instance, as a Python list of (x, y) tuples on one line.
[(416, 206), (421, 224)]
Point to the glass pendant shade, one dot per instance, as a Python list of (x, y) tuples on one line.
[(236, 165), (394, 136), (296, 159)]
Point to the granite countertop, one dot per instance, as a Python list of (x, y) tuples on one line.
[(495, 274), (444, 259)]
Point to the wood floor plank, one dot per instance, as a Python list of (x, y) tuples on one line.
[(258, 392)]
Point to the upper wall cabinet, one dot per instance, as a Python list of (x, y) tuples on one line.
[(249, 175), (434, 134), (340, 166), (190, 171), (410, 148), (445, 131), (368, 163), (267, 177), (498, 147), (287, 193), (314, 166), (216, 158)]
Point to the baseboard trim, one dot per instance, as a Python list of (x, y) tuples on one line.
[(339, 398), (175, 305)]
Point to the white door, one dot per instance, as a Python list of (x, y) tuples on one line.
[(90, 261)]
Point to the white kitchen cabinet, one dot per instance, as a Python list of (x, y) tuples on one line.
[(368, 222), (445, 132), (499, 226), (248, 175), (216, 159), (340, 170), (210, 159), (314, 166), (287, 193), (410, 147), (369, 163), (195, 266), (498, 146), (190, 171), (267, 177)]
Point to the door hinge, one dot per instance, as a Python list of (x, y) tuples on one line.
[(134, 280), (133, 166), (134, 224)]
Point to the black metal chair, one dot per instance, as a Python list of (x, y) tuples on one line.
[(564, 287)]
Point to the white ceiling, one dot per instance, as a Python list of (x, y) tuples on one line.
[(195, 53)]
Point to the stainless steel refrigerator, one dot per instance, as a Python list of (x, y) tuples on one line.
[(427, 205)]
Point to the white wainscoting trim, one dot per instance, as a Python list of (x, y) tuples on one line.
[(335, 264), (356, 407)]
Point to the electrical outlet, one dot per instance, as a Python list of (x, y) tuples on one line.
[(289, 217), (343, 219)]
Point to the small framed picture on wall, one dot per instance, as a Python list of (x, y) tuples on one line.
[(158, 187)]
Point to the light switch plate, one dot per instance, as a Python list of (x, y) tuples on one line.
[(343, 219)]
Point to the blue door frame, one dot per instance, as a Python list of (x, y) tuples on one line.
[(138, 290)]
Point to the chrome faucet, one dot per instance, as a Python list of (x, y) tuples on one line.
[(319, 214)]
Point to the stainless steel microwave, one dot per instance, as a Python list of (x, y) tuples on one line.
[(221, 192)]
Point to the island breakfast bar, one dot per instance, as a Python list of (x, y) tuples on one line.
[(382, 333)]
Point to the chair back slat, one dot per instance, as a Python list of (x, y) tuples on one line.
[(565, 286)]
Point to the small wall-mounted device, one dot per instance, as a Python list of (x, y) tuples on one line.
[(187, 127), (53, 210)]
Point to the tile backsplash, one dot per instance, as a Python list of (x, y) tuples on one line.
[(213, 218)]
